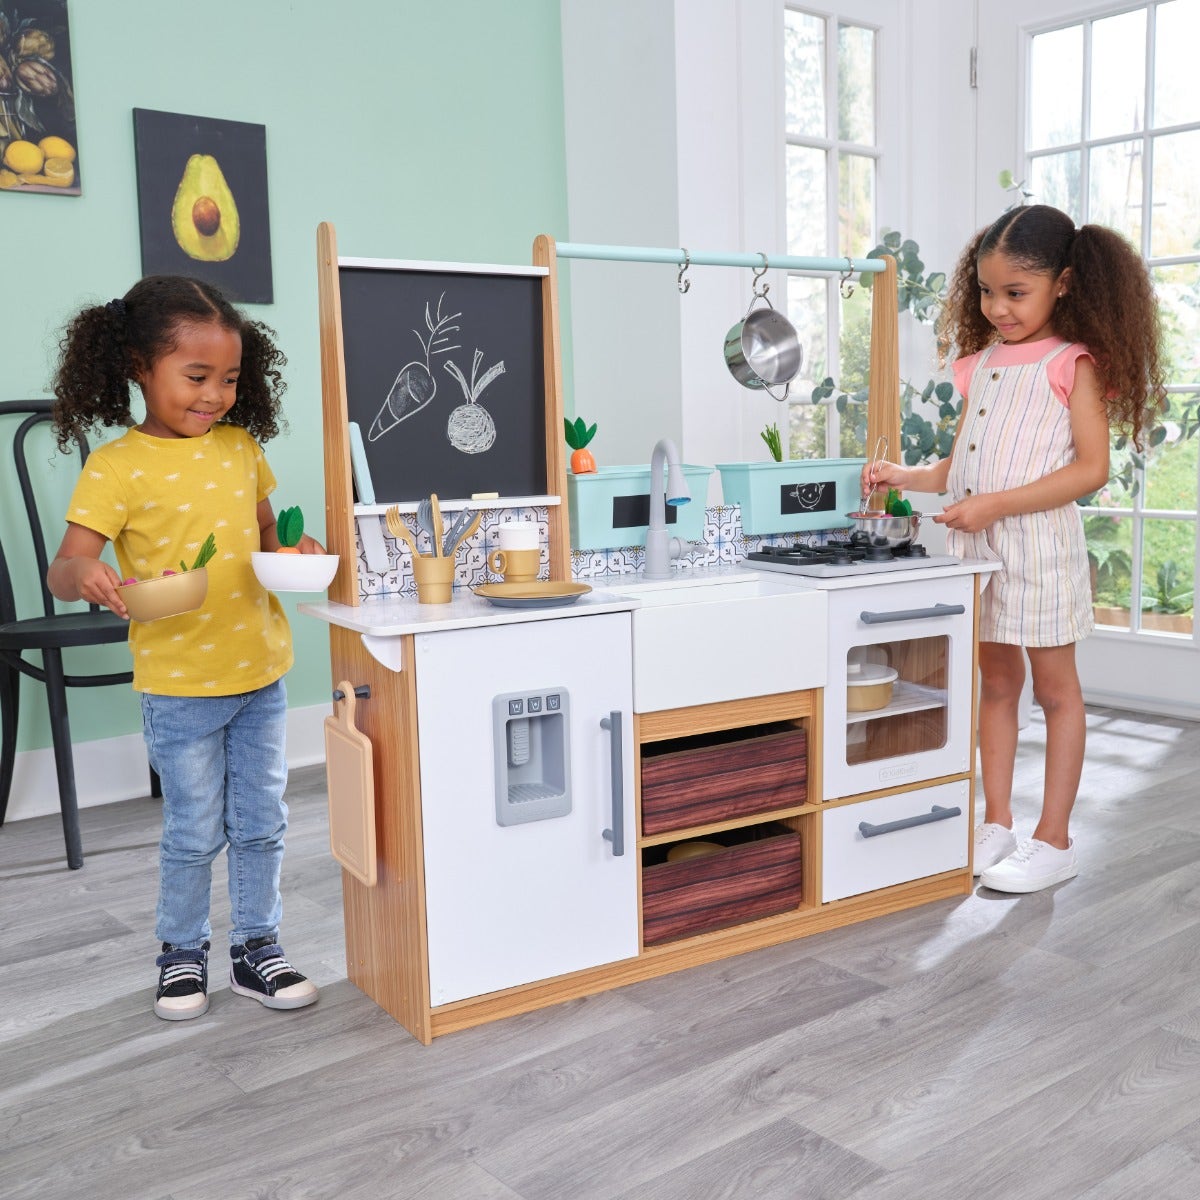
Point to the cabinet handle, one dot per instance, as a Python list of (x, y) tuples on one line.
[(936, 813), (912, 614), (616, 834)]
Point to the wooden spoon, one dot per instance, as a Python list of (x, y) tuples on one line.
[(438, 529)]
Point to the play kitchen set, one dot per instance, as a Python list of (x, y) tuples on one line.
[(593, 783)]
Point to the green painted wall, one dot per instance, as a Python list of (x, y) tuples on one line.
[(420, 130)]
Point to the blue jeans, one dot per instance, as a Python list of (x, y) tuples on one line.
[(223, 770)]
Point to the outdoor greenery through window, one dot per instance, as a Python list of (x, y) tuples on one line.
[(1113, 137), (831, 91)]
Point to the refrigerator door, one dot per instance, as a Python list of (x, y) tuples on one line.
[(511, 900)]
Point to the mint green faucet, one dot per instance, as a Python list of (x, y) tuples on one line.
[(660, 546)]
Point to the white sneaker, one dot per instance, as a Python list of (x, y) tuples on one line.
[(992, 843), (1032, 866)]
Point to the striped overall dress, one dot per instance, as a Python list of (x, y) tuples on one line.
[(1014, 431)]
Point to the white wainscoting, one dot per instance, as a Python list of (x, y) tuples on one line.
[(114, 769)]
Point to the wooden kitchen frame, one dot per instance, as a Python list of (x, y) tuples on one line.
[(387, 954)]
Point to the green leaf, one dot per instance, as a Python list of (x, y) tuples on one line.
[(569, 433), (1006, 179), (944, 392), (891, 240), (206, 552), (289, 526)]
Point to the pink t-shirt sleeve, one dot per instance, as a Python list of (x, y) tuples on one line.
[(962, 370), (1061, 371)]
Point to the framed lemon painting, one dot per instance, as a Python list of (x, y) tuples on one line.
[(39, 149), (202, 201)]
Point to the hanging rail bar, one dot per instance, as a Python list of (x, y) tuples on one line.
[(709, 258)]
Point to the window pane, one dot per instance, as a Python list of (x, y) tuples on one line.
[(1115, 189), (1178, 289), (1176, 97), (807, 305), (1175, 203), (1168, 581), (1110, 554), (856, 204), (804, 74), (1054, 179), (856, 85), (1171, 473), (1119, 74), (1056, 88), (1122, 473), (806, 201)]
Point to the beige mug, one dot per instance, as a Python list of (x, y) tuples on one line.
[(517, 566)]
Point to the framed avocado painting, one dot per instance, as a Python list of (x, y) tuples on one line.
[(39, 148), (202, 201)]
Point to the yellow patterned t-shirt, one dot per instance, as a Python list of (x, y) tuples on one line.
[(156, 500)]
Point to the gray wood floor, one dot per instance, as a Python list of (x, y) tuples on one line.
[(989, 1046)]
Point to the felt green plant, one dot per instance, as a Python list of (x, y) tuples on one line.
[(289, 526), (206, 552), (770, 435)]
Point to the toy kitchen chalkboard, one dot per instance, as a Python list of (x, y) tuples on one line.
[(451, 374), (444, 377)]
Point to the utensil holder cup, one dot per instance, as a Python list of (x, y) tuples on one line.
[(435, 578)]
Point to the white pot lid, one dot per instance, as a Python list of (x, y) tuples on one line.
[(869, 674)]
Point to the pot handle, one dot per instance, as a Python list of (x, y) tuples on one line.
[(766, 387)]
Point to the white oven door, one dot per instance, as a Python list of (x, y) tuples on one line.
[(916, 638)]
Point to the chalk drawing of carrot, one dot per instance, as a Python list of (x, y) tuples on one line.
[(415, 386)]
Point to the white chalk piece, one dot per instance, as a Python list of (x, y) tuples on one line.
[(485, 495), (358, 464)]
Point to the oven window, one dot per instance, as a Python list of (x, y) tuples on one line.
[(896, 699)]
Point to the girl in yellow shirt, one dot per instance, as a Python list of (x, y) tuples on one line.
[(214, 705)]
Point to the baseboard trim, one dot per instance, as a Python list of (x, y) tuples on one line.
[(115, 769), (1150, 705)]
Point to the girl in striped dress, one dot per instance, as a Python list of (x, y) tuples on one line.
[(1057, 332)]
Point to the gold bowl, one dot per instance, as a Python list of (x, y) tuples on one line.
[(165, 595)]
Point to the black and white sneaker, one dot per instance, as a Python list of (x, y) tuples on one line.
[(260, 971), (182, 983)]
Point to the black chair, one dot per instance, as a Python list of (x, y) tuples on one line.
[(50, 634)]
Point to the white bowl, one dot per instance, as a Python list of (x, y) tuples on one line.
[(294, 572)]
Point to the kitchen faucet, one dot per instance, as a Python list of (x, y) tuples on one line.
[(660, 547)]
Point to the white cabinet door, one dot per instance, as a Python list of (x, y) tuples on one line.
[(508, 904), (893, 839)]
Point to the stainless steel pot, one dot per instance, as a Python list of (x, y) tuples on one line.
[(884, 530), (763, 349)]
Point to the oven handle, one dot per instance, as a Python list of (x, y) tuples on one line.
[(912, 614), (936, 813)]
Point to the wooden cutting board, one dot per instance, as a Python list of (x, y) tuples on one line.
[(350, 783)]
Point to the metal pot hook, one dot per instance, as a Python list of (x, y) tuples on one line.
[(844, 285), (759, 272), (684, 285)]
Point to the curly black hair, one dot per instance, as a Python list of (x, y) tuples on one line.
[(106, 346), (1109, 305)]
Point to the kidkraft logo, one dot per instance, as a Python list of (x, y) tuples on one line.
[(890, 774)]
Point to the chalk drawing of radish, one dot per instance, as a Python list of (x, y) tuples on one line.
[(415, 386), (471, 428)]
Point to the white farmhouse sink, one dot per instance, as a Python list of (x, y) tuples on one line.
[(705, 638)]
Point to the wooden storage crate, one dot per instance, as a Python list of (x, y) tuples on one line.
[(748, 879), (722, 776)]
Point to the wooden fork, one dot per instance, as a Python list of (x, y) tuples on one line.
[(398, 529)]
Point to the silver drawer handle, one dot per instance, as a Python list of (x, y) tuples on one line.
[(912, 614), (936, 813)]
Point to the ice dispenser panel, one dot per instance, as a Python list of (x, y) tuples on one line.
[(533, 755)]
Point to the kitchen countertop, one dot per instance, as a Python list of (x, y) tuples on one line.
[(392, 616)]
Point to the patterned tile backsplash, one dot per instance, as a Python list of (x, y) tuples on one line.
[(724, 543)]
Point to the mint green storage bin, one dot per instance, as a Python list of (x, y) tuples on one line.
[(793, 497), (611, 507)]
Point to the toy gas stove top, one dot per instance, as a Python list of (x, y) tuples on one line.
[(837, 560)]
